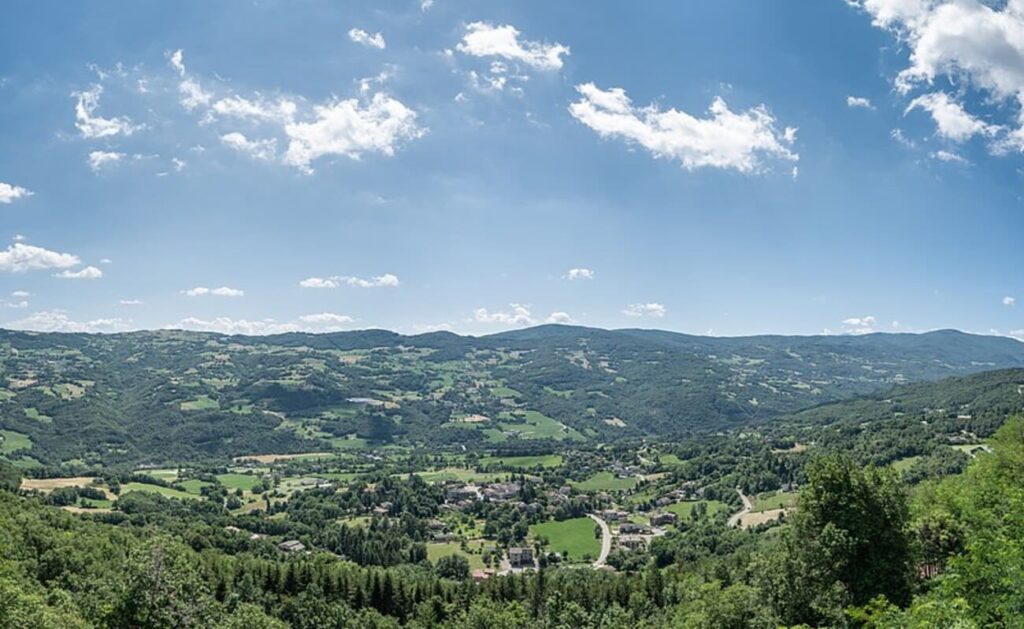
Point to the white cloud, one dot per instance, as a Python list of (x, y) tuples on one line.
[(373, 123), (321, 322), (283, 111), (319, 282), (1009, 301), (486, 40), (559, 317), (518, 316), (58, 321), (223, 291), (179, 164), (192, 94), (130, 302), (651, 309), (14, 304), (327, 319), (978, 45), (381, 281), (901, 138), (426, 4), (101, 159), (9, 193), (347, 128), (371, 40), (949, 156), (859, 101), (87, 273), (256, 149), (951, 120), (21, 257), (93, 126), (21, 294), (580, 274), (860, 325), (724, 140)]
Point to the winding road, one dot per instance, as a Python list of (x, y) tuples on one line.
[(734, 519), (606, 541)]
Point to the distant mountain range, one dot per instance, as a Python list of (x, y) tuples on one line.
[(163, 395)]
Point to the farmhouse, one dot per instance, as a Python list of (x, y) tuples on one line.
[(661, 519), (520, 557), (632, 542), (292, 546)]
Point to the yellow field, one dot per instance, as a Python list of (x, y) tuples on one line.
[(272, 458), (760, 517)]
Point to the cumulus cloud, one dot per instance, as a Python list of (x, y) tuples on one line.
[(257, 149), (326, 319), (559, 317), (98, 160), (518, 316), (859, 101), (579, 274), (321, 322), (59, 321), (350, 129), (20, 257), (14, 304), (223, 291), (951, 120), (1009, 301), (651, 309), (725, 139), (387, 280), (21, 294), (10, 193), (860, 325), (93, 126), (353, 128), (370, 40), (486, 40), (87, 273), (979, 45)]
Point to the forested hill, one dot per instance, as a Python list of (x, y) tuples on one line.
[(172, 395)]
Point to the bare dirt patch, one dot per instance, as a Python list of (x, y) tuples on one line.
[(760, 517)]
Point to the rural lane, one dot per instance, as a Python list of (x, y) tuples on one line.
[(606, 541), (734, 519)]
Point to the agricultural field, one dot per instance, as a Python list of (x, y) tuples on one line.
[(573, 538), (11, 441), (166, 492), (443, 549), (606, 481), (549, 461), (772, 500), (685, 508)]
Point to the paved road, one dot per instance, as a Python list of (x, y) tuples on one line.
[(606, 540), (734, 519)]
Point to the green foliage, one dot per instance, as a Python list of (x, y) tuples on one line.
[(849, 542)]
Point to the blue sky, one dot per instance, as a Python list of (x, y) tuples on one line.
[(726, 168)]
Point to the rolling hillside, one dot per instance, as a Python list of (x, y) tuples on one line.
[(171, 395)]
